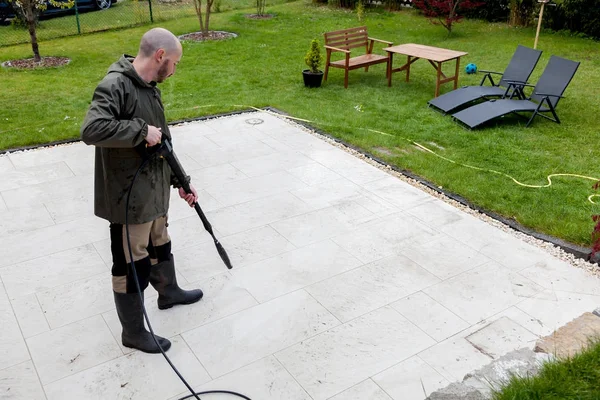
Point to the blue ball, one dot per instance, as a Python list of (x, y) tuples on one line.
[(471, 68)]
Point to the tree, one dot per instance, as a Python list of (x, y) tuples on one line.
[(521, 12), (260, 7), (446, 12), (203, 22), (29, 11)]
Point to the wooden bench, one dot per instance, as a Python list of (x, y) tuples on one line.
[(346, 39)]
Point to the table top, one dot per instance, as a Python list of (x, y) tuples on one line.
[(426, 52)]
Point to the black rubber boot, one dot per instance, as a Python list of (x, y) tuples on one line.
[(135, 335), (163, 279)]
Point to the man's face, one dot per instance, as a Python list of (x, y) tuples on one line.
[(168, 65)]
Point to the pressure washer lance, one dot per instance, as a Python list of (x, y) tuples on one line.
[(165, 150)]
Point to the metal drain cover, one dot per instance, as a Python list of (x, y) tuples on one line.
[(254, 121)]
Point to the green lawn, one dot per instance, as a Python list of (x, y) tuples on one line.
[(577, 378), (262, 67)]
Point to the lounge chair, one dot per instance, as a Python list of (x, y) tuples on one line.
[(519, 69), (544, 98)]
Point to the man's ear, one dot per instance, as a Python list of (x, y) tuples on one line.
[(160, 53)]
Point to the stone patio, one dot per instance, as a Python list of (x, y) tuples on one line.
[(348, 283)]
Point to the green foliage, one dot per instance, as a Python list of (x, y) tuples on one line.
[(360, 11), (313, 57), (575, 16), (576, 378)]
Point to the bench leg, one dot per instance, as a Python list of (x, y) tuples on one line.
[(346, 78)]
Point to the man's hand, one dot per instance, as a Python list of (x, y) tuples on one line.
[(154, 135), (190, 198)]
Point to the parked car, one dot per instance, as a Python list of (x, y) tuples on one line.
[(7, 12)]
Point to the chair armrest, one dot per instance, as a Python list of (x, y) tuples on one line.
[(490, 72), (381, 41), (519, 83), (336, 49), (549, 95)]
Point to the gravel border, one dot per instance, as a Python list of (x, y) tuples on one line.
[(568, 252)]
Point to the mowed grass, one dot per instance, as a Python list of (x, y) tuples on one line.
[(577, 378), (262, 67)]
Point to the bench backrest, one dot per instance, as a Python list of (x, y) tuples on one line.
[(347, 39)]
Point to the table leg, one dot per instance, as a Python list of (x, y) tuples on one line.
[(408, 69), (438, 78), (389, 69), (456, 73)]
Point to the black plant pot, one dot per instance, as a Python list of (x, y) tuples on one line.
[(312, 79)]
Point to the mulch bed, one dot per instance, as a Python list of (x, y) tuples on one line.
[(256, 16), (30, 63), (212, 35)]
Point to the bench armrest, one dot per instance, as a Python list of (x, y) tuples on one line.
[(381, 41), (336, 49)]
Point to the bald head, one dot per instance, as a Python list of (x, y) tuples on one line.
[(158, 38)]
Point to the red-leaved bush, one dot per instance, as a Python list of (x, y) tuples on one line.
[(446, 12)]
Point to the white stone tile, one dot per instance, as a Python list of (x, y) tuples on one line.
[(348, 354), (50, 271), (364, 390), (66, 210), (222, 297), (293, 270), (77, 300), (265, 379), (385, 237), (30, 315), (179, 209), (255, 245), (208, 156), (328, 193), (436, 213), (314, 174), (501, 337), (515, 254), (322, 224), (53, 239), (3, 206), (273, 163), (72, 348), (22, 220), (372, 286), (245, 337), (242, 134), (199, 262), (217, 175), (20, 382), (19, 178), (412, 379), (257, 213), (5, 164), (136, 376), (52, 155), (474, 232), (186, 133), (254, 188), (482, 292), (429, 315), (36, 195), (373, 203), (551, 310), (398, 192), (188, 232), (454, 358), (444, 257), (13, 350), (554, 274), (276, 144), (348, 166), (301, 141), (103, 249)]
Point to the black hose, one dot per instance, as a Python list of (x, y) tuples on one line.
[(139, 289)]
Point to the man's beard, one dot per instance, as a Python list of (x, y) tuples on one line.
[(162, 73)]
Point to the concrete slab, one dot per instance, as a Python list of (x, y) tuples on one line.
[(348, 282)]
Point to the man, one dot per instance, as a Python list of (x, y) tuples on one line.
[(126, 116)]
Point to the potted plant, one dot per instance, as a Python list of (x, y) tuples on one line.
[(313, 76)]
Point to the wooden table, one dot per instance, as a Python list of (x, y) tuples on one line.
[(436, 57)]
